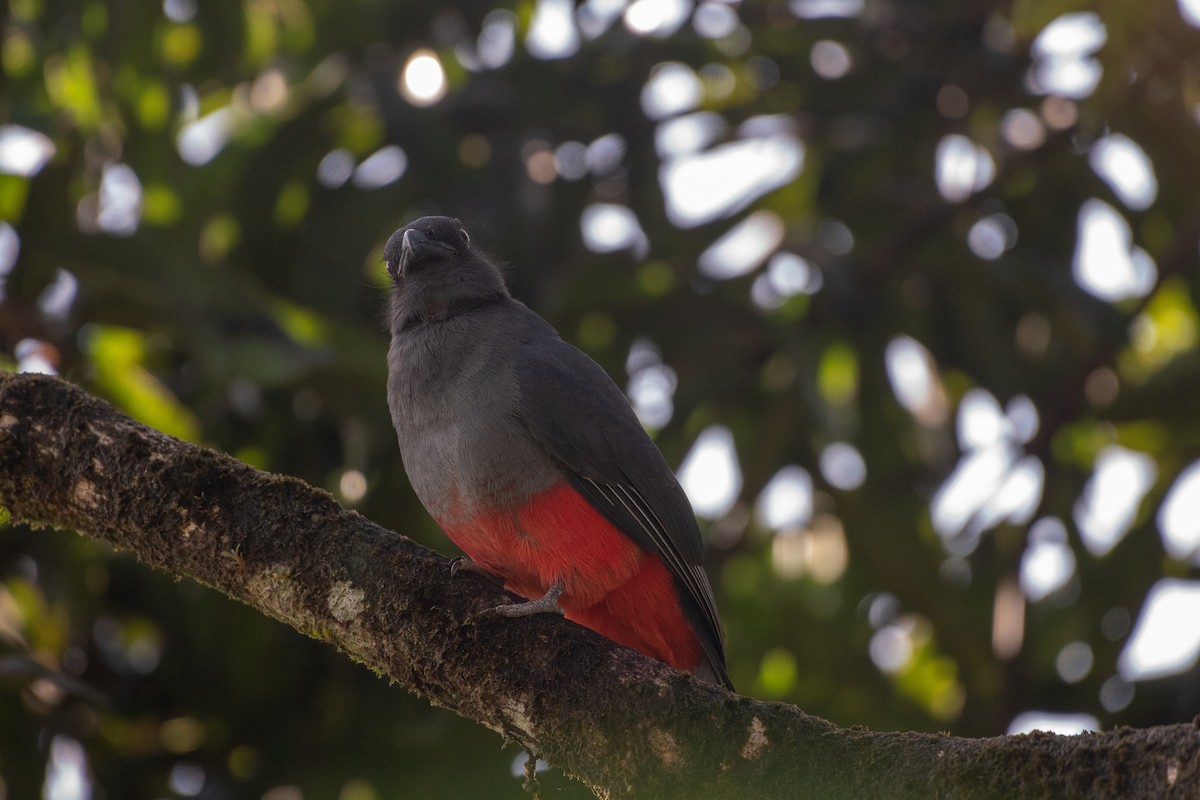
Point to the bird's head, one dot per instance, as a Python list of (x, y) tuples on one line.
[(436, 274), (424, 243)]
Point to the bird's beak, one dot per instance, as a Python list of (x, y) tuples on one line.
[(412, 240), (410, 246), (417, 246)]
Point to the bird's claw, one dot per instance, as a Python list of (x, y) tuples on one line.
[(464, 564), (546, 604)]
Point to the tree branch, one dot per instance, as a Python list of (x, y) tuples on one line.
[(625, 725)]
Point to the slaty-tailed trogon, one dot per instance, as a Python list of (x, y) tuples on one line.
[(532, 460)]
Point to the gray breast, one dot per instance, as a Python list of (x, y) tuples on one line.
[(452, 393)]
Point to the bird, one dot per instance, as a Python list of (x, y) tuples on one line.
[(534, 463)]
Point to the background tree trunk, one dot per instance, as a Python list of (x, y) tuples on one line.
[(625, 725)]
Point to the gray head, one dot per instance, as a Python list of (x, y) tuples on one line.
[(436, 273), (423, 243)]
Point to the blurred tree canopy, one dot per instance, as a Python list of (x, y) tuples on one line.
[(908, 289)]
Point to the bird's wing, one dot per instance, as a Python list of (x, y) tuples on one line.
[(575, 411)]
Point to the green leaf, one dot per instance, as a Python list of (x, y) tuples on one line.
[(118, 355)]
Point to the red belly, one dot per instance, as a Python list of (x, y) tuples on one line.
[(610, 584)]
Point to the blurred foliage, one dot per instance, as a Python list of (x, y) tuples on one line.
[(200, 243)]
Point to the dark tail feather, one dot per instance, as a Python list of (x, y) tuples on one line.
[(713, 673)]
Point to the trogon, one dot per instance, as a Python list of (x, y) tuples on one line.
[(534, 463)]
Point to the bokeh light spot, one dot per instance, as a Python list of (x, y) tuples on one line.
[(715, 20), (386, 165), (120, 203), (1166, 637), (352, 485), (1116, 694), (777, 673), (992, 235), (689, 133), (497, 38), (657, 18), (1190, 11), (23, 151), (201, 140), (552, 32), (335, 168), (672, 89), (1023, 129), (186, 779), (818, 9), (787, 499), (1106, 262), (831, 60), (915, 381), (1062, 53), (961, 167), (1127, 170), (710, 473), (1048, 561), (1111, 497), (1074, 661), (707, 186), (67, 773), (423, 79), (651, 384), (743, 247), (1179, 515), (608, 228), (1050, 722), (843, 466), (953, 102)]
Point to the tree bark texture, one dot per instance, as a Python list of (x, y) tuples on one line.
[(625, 725)]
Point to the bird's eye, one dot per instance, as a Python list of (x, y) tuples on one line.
[(465, 236)]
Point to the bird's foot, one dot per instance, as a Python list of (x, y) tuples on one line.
[(546, 604), (464, 564)]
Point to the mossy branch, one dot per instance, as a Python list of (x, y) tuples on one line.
[(625, 725)]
